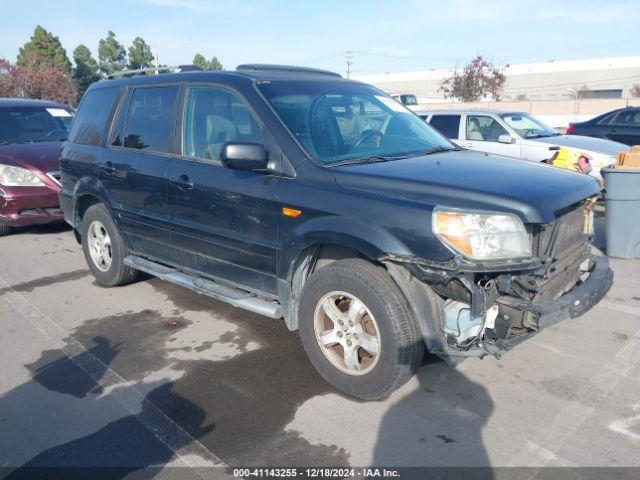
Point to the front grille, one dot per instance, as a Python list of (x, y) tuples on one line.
[(564, 235), (562, 246)]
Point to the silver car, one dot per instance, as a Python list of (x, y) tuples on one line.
[(518, 135)]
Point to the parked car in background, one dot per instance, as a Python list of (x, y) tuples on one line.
[(621, 125), (407, 99), (517, 135), (31, 136), (297, 194)]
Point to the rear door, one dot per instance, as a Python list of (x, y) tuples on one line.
[(223, 221), (482, 133), (133, 167)]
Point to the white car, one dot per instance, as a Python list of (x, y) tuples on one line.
[(518, 135)]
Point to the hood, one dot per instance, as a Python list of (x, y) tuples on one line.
[(471, 180), (42, 156), (596, 145)]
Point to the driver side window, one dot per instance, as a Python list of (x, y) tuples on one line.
[(483, 128), (212, 117)]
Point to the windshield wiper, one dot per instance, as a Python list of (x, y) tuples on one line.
[(388, 158), (369, 159), (431, 151), (543, 135)]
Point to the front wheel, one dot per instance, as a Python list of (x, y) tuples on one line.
[(358, 330)]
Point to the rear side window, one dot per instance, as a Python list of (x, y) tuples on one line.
[(448, 125), (93, 114), (149, 119)]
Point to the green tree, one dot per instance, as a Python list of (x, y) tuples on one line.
[(215, 64), (111, 54), (200, 61), (203, 63), (140, 55), (44, 49), (86, 71)]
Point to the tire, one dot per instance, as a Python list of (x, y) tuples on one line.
[(399, 342), (4, 230), (97, 221)]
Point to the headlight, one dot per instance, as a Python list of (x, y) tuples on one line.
[(18, 177), (482, 236)]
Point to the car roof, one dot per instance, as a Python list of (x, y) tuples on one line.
[(29, 102), (457, 111), (228, 77)]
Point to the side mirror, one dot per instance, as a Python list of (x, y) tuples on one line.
[(244, 156), (505, 138)]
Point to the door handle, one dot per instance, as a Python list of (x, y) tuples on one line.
[(107, 167), (182, 182), (614, 130)]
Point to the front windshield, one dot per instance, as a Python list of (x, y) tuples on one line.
[(344, 122), (34, 124), (527, 126)]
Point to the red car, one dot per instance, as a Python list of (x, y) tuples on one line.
[(31, 136)]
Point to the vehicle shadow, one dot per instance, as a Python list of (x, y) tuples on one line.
[(47, 229), (438, 426)]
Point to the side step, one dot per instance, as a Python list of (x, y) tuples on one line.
[(234, 296)]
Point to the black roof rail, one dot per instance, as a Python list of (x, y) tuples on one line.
[(267, 68), (155, 71)]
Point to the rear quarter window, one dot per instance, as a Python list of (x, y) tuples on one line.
[(92, 116)]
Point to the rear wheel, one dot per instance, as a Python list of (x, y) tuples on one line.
[(357, 329), (4, 230), (104, 249)]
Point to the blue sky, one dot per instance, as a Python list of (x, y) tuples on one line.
[(386, 35)]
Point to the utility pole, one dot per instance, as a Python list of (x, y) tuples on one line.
[(348, 56), (157, 63)]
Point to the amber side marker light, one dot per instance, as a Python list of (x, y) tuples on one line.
[(291, 212)]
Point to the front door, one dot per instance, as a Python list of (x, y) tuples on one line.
[(482, 133), (133, 167), (223, 221)]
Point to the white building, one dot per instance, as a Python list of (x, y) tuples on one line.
[(552, 80)]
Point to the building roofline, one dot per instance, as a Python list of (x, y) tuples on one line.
[(515, 69)]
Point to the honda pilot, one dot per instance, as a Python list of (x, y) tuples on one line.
[(297, 194)]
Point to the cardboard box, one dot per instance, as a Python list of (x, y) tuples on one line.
[(630, 159)]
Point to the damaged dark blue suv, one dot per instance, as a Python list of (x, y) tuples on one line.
[(298, 194)]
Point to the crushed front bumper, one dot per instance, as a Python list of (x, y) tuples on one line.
[(580, 299), (572, 304), (531, 317)]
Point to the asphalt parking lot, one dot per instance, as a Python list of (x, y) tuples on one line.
[(154, 375)]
